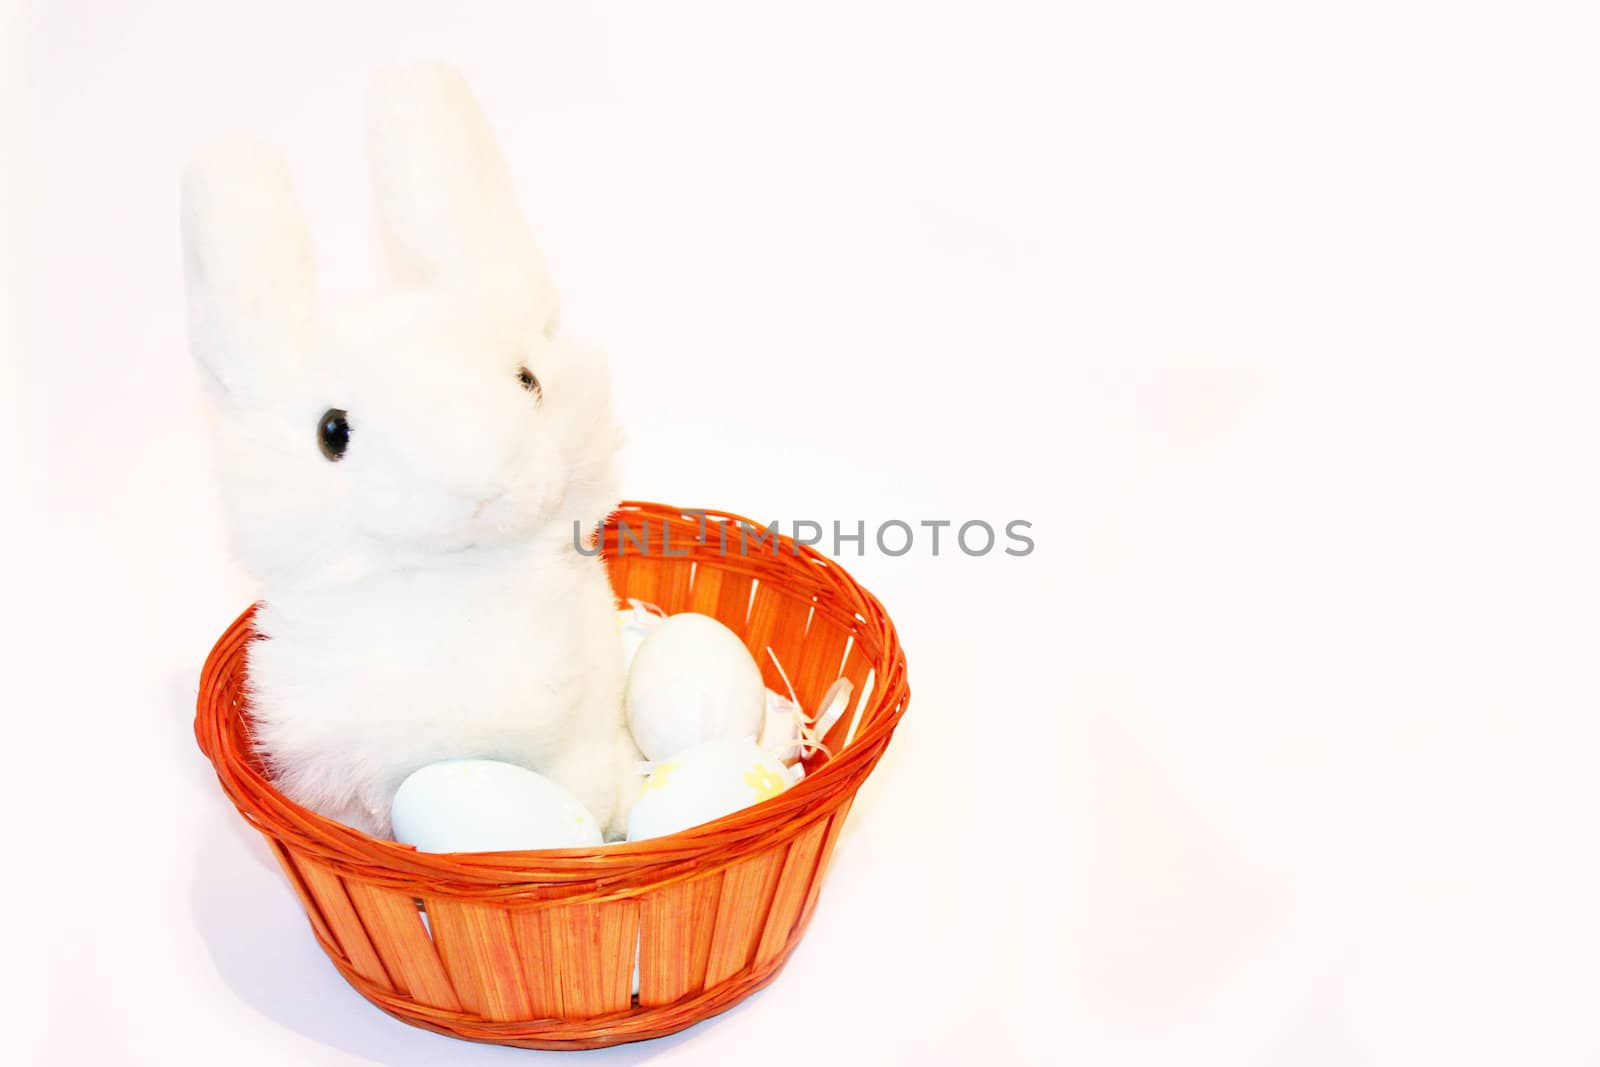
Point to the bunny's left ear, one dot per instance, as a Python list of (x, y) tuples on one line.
[(247, 258), (445, 198)]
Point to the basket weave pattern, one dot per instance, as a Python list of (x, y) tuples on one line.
[(537, 948)]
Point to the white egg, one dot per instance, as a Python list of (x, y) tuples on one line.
[(692, 680), (477, 805), (705, 783)]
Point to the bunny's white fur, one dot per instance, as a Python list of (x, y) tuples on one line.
[(422, 598)]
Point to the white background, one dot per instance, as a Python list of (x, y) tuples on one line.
[(1278, 323)]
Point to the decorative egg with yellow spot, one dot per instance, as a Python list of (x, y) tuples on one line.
[(706, 782)]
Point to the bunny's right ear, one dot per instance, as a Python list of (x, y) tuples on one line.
[(445, 197), (247, 257)]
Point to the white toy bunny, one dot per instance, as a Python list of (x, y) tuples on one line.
[(403, 476)]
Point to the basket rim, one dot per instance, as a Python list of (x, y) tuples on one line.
[(580, 874)]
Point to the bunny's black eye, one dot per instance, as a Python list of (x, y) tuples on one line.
[(529, 382), (333, 434)]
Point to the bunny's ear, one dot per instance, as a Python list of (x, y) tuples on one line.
[(445, 198), (247, 257)]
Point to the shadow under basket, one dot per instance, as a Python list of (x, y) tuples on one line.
[(537, 948)]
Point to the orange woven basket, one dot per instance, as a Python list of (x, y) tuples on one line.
[(536, 949)]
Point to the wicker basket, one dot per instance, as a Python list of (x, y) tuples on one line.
[(537, 948)]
